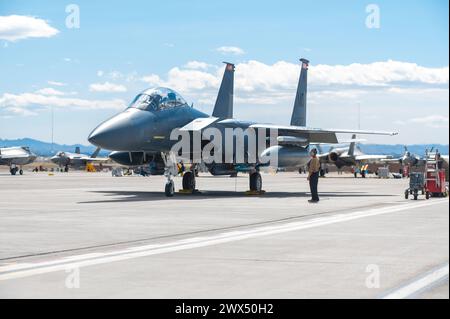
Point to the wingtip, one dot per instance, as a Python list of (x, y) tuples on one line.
[(229, 66)]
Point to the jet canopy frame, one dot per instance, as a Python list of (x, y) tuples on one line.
[(157, 99)]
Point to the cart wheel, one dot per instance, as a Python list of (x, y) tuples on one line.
[(427, 195), (416, 194), (406, 194)]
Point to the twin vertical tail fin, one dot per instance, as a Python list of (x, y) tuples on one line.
[(299, 113), (95, 154), (77, 150), (223, 108)]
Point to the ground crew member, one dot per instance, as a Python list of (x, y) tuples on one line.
[(313, 175)]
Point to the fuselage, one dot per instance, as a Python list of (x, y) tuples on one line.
[(147, 127)]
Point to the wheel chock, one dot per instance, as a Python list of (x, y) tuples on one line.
[(255, 193), (188, 191)]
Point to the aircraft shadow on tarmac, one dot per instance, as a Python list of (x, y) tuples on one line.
[(133, 196)]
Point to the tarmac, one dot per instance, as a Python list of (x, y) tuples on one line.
[(91, 235)]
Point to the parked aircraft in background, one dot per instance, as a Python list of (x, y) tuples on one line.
[(145, 128), (15, 158), (350, 156), (408, 159), (77, 160)]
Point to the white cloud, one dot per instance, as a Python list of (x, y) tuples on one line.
[(230, 50), (152, 80), (256, 82), (26, 104), (184, 80), (49, 91), (434, 121), (100, 73), (107, 87), (385, 90), (55, 83), (196, 65), (17, 27), (115, 75), (18, 111)]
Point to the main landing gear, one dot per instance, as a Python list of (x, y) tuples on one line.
[(189, 181), (171, 170), (255, 183), (14, 170)]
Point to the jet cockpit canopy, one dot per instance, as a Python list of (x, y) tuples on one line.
[(157, 99)]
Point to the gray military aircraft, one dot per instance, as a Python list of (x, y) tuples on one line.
[(77, 160), (350, 156), (16, 157), (408, 159), (141, 133)]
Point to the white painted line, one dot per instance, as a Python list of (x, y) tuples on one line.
[(419, 284), (30, 269)]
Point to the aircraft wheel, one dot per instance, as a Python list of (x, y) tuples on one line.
[(255, 182), (188, 181), (13, 171), (406, 194), (416, 195), (21, 172), (169, 189)]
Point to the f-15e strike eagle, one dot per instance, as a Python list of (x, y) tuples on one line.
[(141, 134)]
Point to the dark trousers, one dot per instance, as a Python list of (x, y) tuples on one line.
[(313, 182)]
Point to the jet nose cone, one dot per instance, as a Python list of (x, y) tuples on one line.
[(114, 134)]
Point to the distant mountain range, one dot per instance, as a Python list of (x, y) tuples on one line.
[(46, 149)]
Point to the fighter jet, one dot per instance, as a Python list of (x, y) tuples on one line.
[(408, 159), (15, 157), (142, 132), (350, 156), (77, 160)]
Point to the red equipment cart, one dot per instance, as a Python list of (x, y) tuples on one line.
[(435, 184)]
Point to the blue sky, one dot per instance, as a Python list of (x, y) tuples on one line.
[(126, 43)]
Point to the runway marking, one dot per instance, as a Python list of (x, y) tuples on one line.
[(420, 284), (75, 261)]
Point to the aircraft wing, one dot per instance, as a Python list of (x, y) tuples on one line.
[(316, 135), (391, 160), (372, 157), (13, 153), (96, 159)]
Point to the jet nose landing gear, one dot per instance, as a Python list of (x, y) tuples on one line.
[(170, 188)]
